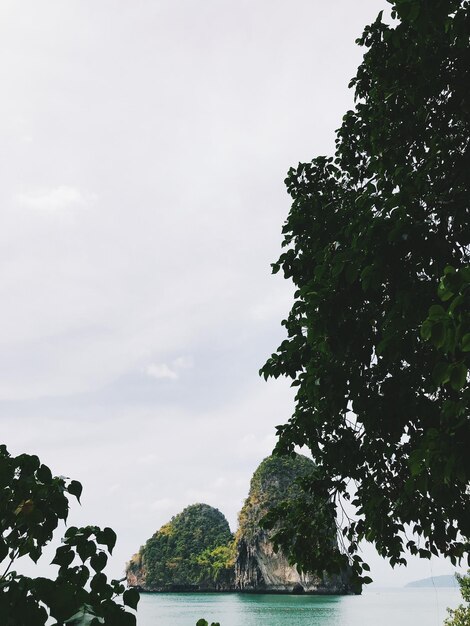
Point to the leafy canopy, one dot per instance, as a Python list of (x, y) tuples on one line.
[(32, 505), (378, 338)]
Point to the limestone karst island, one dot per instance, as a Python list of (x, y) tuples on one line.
[(196, 551)]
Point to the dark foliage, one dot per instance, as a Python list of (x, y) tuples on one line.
[(375, 237), (32, 505)]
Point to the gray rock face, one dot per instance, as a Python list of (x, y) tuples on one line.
[(258, 568), (136, 572)]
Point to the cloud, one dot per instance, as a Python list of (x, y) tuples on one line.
[(172, 371), (184, 362), (161, 370), (54, 199)]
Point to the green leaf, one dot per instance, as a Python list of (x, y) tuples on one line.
[(34, 553), (426, 329), (436, 312), (458, 376), (44, 474), (86, 548), (337, 268), (444, 293), (75, 489), (465, 345), (99, 584), (28, 463), (438, 334), (98, 561), (131, 598), (456, 303), (71, 531), (63, 556), (416, 463), (107, 537), (441, 373)]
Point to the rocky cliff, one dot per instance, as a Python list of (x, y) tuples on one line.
[(258, 567), (195, 551)]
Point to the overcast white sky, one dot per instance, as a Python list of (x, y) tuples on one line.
[(144, 146)]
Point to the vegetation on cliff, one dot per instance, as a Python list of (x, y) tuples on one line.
[(275, 481), (194, 549), (276, 490)]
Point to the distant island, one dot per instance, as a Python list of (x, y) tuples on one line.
[(196, 551), (435, 581)]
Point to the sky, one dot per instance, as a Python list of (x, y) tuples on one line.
[(143, 150)]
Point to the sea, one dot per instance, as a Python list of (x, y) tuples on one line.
[(375, 607)]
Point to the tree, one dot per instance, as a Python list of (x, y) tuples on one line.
[(32, 505), (461, 615), (378, 339)]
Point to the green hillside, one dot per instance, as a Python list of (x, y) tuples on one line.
[(194, 549)]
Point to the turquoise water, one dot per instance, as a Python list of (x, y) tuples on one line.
[(388, 607)]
